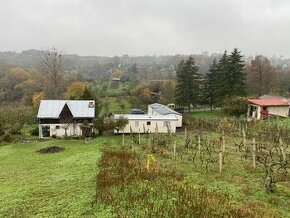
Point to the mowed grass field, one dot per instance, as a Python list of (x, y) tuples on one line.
[(64, 184), (49, 185)]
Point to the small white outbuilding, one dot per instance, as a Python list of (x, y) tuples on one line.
[(160, 109), (146, 123)]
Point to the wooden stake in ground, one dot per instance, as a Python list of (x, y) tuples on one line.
[(244, 137), (123, 139), (254, 153), (199, 145), (282, 148), (139, 142), (224, 142), (174, 150), (221, 162)]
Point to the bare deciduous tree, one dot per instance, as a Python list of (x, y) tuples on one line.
[(260, 76), (51, 64)]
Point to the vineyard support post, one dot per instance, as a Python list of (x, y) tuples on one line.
[(139, 138), (254, 153), (174, 150), (221, 162), (282, 149), (244, 137), (199, 145)]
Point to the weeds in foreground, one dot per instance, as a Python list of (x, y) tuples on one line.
[(131, 189)]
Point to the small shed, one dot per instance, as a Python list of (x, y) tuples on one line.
[(263, 108), (148, 123), (160, 109), (59, 118)]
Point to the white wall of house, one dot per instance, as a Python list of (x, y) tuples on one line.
[(279, 110), (144, 126), (59, 129), (151, 111)]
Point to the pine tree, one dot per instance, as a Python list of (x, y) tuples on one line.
[(187, 88), (237, 75), (222, 87), (210, 87)]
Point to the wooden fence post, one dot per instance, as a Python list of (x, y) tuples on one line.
[(254, 153), (139, 137), (123, 139)]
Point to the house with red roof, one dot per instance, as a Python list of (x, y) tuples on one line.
[(267, 107)]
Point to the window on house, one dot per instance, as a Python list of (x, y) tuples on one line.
[(148, 123), (57, 127), (136, 123), (91, 104)]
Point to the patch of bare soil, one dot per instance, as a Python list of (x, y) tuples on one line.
[(50, 150)]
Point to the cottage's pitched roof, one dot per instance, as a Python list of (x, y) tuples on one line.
[(78, 108), (162, 109), (269, 102)]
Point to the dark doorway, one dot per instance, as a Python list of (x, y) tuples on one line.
[(45, 131)]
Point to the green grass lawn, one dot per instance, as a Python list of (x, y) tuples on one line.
[(114, 105), (48, 185), (63, 184)]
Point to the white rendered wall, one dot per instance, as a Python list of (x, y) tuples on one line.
[(72, 129), (142, 127)]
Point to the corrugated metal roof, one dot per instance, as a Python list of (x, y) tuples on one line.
[(269, 102), (145, 117), (162, 109), (78, 108)]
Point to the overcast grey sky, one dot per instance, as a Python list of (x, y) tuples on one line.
[(135, 27)]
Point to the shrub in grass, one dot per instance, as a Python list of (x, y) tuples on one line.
[(7, 137), (34, 131)]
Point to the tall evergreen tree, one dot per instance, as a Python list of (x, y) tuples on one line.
[(237, 74), (210, 86), (187, 88), (222, 87), (230, 77)]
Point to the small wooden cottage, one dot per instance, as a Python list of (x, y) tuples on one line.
[(264, 108), (145, 123), (60, 118), (160, 109)]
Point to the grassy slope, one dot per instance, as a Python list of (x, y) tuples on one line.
[(114, 105), (62, 184), (48, 185)]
